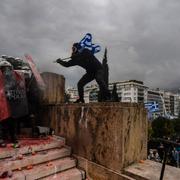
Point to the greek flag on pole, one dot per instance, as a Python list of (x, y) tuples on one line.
[(152, 106), (86, 43)]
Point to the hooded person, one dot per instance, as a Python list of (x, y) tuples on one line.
[(13, 85), (94, 70), (6, 122)]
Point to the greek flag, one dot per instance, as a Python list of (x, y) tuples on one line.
[(86, 43), (152, 106)]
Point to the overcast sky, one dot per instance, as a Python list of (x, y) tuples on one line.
[(142, 37)]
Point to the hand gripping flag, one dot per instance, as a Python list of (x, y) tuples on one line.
[(86, 43)]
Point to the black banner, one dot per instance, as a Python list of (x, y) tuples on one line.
[(16, 93)]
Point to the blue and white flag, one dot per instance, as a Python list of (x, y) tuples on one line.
[(152, 106), (86, 43)]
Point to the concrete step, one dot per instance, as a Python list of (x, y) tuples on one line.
[(40, 157), (34, 144), (150, 170), (44, 170), (70, 174)]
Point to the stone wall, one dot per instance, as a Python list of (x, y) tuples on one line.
[(113, 135), (55, 88)]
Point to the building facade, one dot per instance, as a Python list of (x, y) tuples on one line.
[(156, 96), (136, 92), (130, 91), (73, 93), (168, 102)]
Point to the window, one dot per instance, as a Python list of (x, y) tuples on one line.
[(127, 99), (127, 88), (127, 94)]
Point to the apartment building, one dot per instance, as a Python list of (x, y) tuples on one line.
[(130, 91), (73, 93), (177, 105), (156, 96), (136, 92), (168, 102)]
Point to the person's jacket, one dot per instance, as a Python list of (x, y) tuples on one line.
[(85, 59)]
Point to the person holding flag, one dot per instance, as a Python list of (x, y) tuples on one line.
[(83, 56)]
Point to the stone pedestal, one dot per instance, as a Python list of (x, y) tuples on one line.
[(113, 135), (55, 88)]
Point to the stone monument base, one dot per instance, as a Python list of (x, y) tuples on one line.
[(111, 135)]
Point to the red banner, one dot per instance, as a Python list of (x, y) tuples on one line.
[(35, 72), (4, 105)]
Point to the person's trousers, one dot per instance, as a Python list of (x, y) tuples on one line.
[(99, 77), (176, 156), (8, 125)]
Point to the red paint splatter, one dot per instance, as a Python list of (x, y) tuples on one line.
[(29, 142)]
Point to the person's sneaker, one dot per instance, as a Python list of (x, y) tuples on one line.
[(15, 142), (79, 101), (14, 139), (2, 143), (16, 145)]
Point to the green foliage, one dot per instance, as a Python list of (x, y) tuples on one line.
[(66, 98), (115, 97), (176, 123), (162, 127), (105, 68), (150, 130)]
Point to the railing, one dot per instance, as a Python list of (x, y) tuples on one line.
[(167, 147)]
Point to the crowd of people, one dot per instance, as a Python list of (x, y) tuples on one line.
[(15, 76), (173, 153)]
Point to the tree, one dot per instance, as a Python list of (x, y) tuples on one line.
[(150, 130), (67, 98), (106, 74), (162, 127), (105, 68), (115, 97), (177, 126)]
